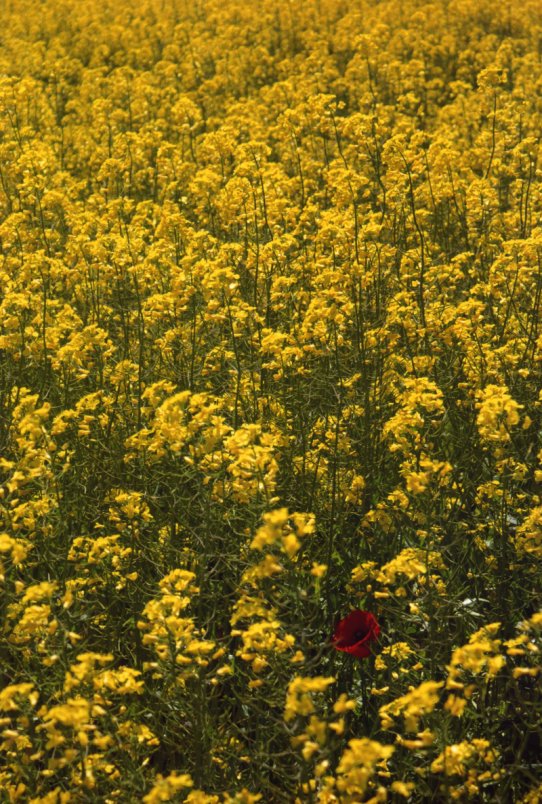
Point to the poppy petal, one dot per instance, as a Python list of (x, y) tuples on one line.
[(355, 632)]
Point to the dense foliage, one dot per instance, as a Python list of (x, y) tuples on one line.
[(270, 352)]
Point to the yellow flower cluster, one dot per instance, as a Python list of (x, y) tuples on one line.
[(417, 702), (170, 632), (460, 760), (357, 766), (480, 655)]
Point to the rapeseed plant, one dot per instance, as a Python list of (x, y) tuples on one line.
[(270, 352)]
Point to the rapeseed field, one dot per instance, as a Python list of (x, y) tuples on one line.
[(270, 401)]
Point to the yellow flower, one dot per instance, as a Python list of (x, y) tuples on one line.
[(300, 690), (74, 713), (412, 706), (455, 759), (12, 696), (167, 787), (481, 654), (497, 413), (358, 765)]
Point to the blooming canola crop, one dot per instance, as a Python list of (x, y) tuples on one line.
[(270, 401)]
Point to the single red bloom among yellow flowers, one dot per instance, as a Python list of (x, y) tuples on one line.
[(355, 632)]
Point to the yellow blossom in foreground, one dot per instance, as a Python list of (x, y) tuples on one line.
[(410, 563), (455, 758), (13, 696), (529, 533), (468, 761), (300, 690), (497, 413), (358, 765), (480, 655), (167, 787), (417, 702), (534, 796), (75, 713)]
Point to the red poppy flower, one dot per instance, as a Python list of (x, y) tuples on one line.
[(354, 633)]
